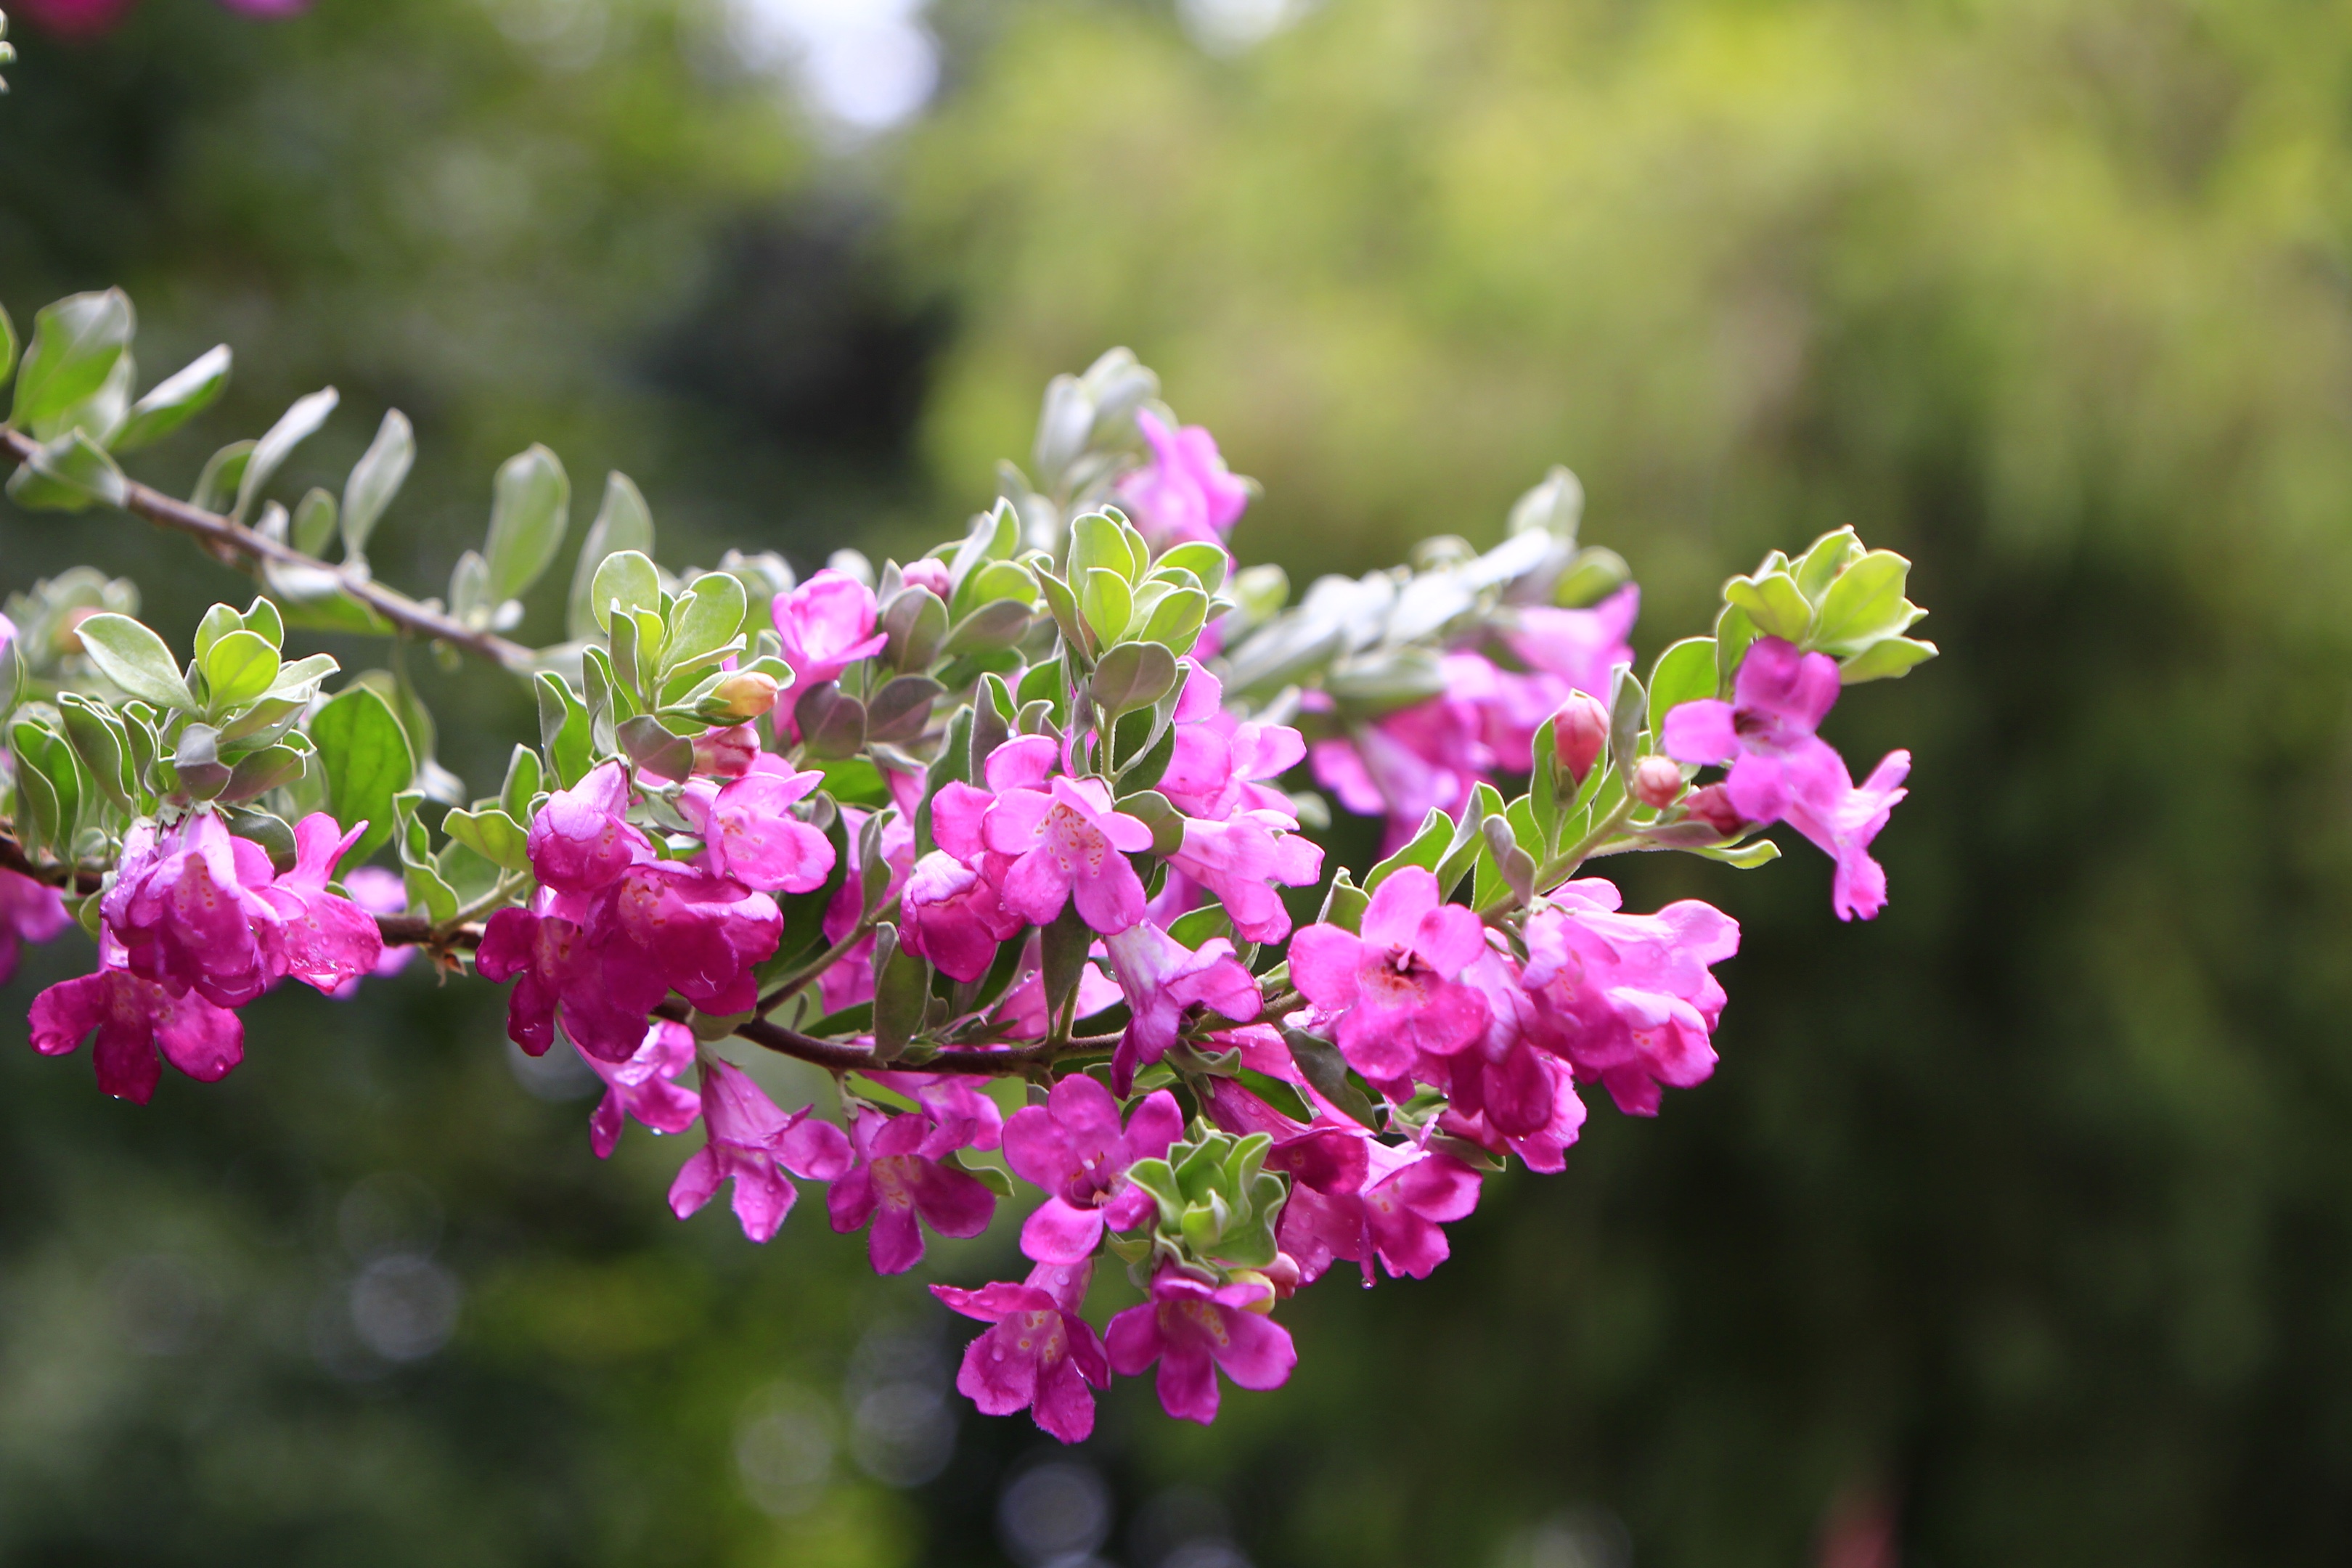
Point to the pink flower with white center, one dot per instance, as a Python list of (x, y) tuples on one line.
[(642, 1087), (1073, 1147), (1396, 987), (379, 892), (756, 1144), (1185, 492), (582, 840), (826, 625), (1193, 1329), (1783, 771), (1039, 1355), (951, 915), (185, 908), (751, 834), (322, 940), (1068, 844), (903, 1173), (1161, 980), (30, 912), (134, 1020), (1632, 1001)]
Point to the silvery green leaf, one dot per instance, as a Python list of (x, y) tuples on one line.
[(224, 471), (175, 400), (296, 425), (530, 510), (135, 660), (76, 343), (314, 522), (623, 522), (66, 475), (628, 579)]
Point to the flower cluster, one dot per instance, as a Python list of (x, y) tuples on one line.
[(1016, 841)]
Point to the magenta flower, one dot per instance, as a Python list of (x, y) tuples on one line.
[(1783, 771), (1185, 492), (1357, 1199), (379, 892), (1504, 1076), (751, 834), (826, 625), (1073, 1147), (1565, 651), (1219, 765), (1243, 861), (1405, 764), (642, 1087), (322, 940), (185, 909), (30, 912), (1544, 1149), (851, 980), (1039, 1354), (756, 1144), (960, 811), (903, 1173), (1632, 1002), (1192, 1329), (1065, 844), (1022, 1014), (136, 1020), (1162, 979), (582, 840), (949, 914), (1397, 987)]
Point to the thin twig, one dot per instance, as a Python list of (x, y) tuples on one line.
[(233, 543)]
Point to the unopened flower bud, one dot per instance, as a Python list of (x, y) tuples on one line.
[(741, 698), (928, 572), (1713, 807), (1274, 1292), (1656, 781), (1579, 730), (726, 754)]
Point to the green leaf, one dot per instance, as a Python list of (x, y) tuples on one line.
[(623, 522), (175, 400), (1321, 1065), (102, 741), (707, 616), (1106, 603), (1062, 956), (224, 471), (998, 579), (1892, 658), (66, 475), (1746, 857), (1175, 622), (1824, 560), (1683, 673), (76, 344), (492, 834), (258, 772), (1063, 607), (628, 579), (1133, 676), (998, 623), (1207, 562), (1733, 632), (8, 342), (522, 784), (1425, 848), (565, 729), (427, 888), (915, 622), (1865, 604), (49, 786), (1773, 603), (238, 667), (314, 522), (374, 480), (135, 660), (654, 750), (296, 425), (1098, 543), (902, 986), (530, 511), (369, 763)]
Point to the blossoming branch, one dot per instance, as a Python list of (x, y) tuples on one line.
[(1023, 826)]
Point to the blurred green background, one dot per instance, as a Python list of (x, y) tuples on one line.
[(2015, 1228)]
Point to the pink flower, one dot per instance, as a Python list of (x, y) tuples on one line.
[(186, 910), (642, 1087), (1194, 1329), (1073, 1147), (1565, 651), (751, 836), (1162, 979), (1780, 770), (1039, 1355), (1422, 758), (134, 1019), (851, 980), (1634, 1003), (1504, 1078), (1545, 1148), (1396, 988), (1243, 861), (379, 892), (826, 625), (953, 917), (30, 912), (902, 1174), (930, 573), (582, 840), (756, 1144), (1185, 492), (322, 940), (1022, 1014), (74, 18), (1065, 844)]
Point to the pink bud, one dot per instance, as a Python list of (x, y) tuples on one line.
[(1713, 807), (741, 698), (1579, 730), (726, 754), (1657, 781), (928, 572)]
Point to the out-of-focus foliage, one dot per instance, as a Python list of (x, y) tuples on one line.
[(2026, 1211)]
